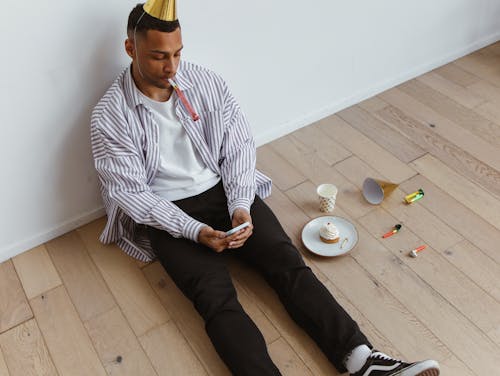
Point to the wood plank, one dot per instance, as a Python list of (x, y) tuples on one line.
[(65, 335), (450, 109), (469, 344), (287, 360), (117, 346), (366, 149), (314, 140), (82, 280), (25, 352), (454, 73), (458, 93), (3, 367), (491, 111), (469, 142), (453, 285), (304, 160), (127, 283), (304, 196), (36, 271), (488, 51), (482, 66), (472, 196), (442, 149), (186, 318), (170, 353), (457, 216), (14, 308), (486, 90), (373, 104), (284, 175), (433, 230), (479, 267), (398, 145), (494, 48)]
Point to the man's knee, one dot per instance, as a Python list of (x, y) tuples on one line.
[(285, 255)]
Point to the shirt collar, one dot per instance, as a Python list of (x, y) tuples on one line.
[(132, 92)]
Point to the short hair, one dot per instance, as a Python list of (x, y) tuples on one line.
[(144, 22)]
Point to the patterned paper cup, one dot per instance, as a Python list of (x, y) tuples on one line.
[(327, 194)]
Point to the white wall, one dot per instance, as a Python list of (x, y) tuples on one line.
[(289, 62)]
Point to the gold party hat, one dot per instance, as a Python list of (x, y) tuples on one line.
[(165, 10), (375, 190)]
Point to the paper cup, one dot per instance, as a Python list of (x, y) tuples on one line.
[(327, 194)]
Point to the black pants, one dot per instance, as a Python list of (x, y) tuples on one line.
[(201, 274)]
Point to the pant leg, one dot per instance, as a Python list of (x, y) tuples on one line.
[(306, 299), (202, 275)]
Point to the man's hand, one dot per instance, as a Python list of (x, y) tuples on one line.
[(238, 239), (217, 240)]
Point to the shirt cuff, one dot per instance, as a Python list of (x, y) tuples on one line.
[(242, 203), (192, 229)]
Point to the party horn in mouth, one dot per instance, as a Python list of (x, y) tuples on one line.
[(184, 100), (392, 232)]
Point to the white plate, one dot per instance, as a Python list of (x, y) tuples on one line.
[(311, 240)]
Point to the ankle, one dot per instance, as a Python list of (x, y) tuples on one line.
[(357, 358)]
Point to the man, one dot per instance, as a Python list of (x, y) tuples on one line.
[(177, 169)]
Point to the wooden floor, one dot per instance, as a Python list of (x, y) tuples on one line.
[(75, 307)]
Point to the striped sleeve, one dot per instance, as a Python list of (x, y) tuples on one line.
[(238, 156), (123, 176)]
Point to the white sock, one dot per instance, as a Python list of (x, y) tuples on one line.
[(357, 358)]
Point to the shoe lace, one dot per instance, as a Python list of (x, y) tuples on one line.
[(382, 356)]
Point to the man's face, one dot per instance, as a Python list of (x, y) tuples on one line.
[(157, 55)]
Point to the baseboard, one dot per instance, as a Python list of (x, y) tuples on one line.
[(286, 128), (70, 225)]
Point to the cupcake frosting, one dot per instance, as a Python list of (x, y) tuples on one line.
[(329, 231)]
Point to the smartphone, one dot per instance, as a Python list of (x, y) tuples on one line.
[(238, 228)]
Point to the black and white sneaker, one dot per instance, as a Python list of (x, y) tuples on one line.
[(380, 364)]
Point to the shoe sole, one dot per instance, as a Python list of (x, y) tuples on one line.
[(424, 368), (429, 372)]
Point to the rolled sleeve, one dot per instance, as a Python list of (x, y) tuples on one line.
[(240, 203), (192, 229)]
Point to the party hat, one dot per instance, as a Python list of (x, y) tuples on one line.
[(165, 10), (375, 190)]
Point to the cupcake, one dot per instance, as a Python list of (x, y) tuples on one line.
[(329, 233)]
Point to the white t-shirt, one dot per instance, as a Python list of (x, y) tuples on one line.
[(181, 171)]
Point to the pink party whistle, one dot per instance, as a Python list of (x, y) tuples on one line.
[(184, 100)]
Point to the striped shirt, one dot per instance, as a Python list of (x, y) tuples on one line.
[(125, 135)]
